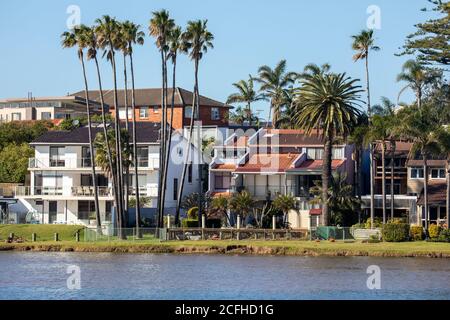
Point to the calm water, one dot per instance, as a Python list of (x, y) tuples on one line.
[(26, 275)]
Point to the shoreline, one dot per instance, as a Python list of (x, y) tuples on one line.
[(266, 248)]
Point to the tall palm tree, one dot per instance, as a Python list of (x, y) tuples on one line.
[(421, 126), (160, 27), (198, 40), (245, 94), (108, 33), (132, 35), (177, 44), (242, 203), (363, 43), (417, 78), (312, 69), (80, 37), (284, 203), (274, 83), (328, 104)]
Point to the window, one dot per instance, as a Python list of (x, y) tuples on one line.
[(188, 112), (85, 157), (86, 180), (175, 189), (190, 173), (16, 116), (142, 155), (56, 154), (143, 112), (215, 114), (396, 188), (416, 173), (46, 115), (85, 209), (180, 151), (438, 173), (338, 153), (108, 210), (315, 153), (222, 180)]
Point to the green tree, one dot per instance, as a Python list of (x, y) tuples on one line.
[(245, 94), (219, 207), (284, 203), (274, 83), (80, 38), (198, 40), (14, 162), (19, 132), (431, 40), (242, 203), (329, 105)]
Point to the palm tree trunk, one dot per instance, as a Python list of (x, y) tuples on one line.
[(162, 144), (448, 195), (199, 150), (91, 149), (392, 178), (167, 137), (326, 176), (127, 169), (170, 127), (136, 180), (187, 150), (383, 178), (371, 147), (358, 179), (425, 189), (118, 145), (105, 131)]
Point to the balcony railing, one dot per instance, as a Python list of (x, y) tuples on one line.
[(79, 191), (79, 163)]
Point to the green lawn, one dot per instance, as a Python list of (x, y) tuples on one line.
[(44, 232)]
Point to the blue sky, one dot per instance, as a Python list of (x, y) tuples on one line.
[(248, 34)]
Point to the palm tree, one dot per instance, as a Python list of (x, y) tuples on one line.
[(421, 127), (242, 203), (274, 82), (80, 37), (198, 39), (340, 198), (132, 35), (284, 203), (108, 33), (417, 78), (219, 206), (363, 43), (329, 104), (444, 141), (160, 27), (245, 94), (176, 44), (312, 69)]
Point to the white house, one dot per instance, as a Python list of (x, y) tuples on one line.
[(61, 189)]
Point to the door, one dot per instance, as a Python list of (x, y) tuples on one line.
[(52, 211)]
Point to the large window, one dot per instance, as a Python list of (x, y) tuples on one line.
[(338, 153), (46, 115), (188, 112), (215, 114), (142, 155), (143, 112), (56, 157), (315, 153), (222, 180), (85, 157), (16, 116), (86, 209), (438, 173), (416, 173)]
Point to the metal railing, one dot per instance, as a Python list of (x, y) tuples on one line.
[(77, 163), (78, 191)]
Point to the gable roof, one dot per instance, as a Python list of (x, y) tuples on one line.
[(147, 132), (152, 97)]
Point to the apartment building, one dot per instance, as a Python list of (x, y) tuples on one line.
[(61, 191), (212, 113), (45, 108), (269, 162), (409, 179)]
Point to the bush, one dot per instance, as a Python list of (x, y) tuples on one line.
[(189, 223), (416, 233), (444, 235), (359, 226), (193, 213), (377, 222), (395, 232), (433, 231)]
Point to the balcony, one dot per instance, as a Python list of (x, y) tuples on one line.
[(78, 192), (81, 163)]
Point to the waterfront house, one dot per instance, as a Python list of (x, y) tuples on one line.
[(61, 191), (269, 162)]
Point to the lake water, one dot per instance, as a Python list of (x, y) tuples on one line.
[(30, 275)]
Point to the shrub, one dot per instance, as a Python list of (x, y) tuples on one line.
[(395, 232), (416, 233), (359, 226), (444, 235), (189, 223), (193, 213), (377, 222), (433, 231)]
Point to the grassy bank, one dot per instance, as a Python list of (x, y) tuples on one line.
[(289, 248), (44, 232)]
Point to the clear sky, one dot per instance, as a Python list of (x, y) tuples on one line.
[(248, 34)]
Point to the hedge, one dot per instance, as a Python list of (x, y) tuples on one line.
[(189, 223), (416, 233), (395, 232)]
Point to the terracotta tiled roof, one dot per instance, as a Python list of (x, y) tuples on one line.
[(401, 147), (224, 166), (268, 163), (151, 97), (437, 193), (317, 165), (430, 163)]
